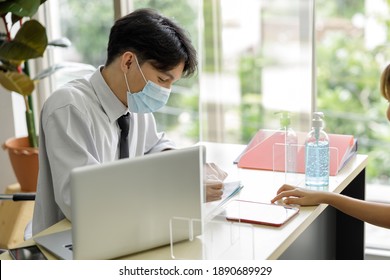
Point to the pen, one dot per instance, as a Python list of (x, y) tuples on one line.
[(18, 196)]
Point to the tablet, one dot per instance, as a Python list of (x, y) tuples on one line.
[(27, 253), (259, 213)]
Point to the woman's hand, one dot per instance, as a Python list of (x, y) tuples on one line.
[(294, 195)]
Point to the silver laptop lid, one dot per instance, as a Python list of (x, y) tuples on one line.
[(124, 207)]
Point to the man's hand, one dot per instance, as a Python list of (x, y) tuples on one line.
[(214, 190), (214, 177)]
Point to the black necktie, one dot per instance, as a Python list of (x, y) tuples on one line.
[(123, 123)]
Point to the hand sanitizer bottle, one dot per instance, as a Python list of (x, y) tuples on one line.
[(290, 143), (317, 154)]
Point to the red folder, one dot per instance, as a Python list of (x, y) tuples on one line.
[(267, 151)]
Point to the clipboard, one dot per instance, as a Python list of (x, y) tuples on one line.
[(266, 151), (260, 213)]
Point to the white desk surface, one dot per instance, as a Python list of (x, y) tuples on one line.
[(268, 242), (271, 242)]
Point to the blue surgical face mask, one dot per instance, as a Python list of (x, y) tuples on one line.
[(151, 98)]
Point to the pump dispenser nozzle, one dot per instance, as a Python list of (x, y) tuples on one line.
[(317, 123), (317, 119)]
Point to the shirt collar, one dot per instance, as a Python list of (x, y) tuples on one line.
[(113, 107)]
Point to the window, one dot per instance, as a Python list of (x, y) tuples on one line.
[(87, 32), (257, 61), (352, 50), (180, 117)]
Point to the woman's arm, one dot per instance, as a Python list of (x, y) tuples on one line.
[(371, 212)]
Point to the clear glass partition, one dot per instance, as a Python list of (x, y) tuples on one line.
[(257, 61)]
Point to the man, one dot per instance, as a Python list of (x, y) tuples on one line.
[(81, 122)]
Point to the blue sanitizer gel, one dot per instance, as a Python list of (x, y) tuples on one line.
[(317, 154), (317, 167)]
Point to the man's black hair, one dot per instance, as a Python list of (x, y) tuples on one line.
[(153, 38)]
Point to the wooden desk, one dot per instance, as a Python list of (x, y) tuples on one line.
[(318, 232)]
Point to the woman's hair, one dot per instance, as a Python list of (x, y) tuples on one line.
[(385, 83), (153, 38)]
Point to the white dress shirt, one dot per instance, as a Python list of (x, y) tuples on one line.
[(78, 126)]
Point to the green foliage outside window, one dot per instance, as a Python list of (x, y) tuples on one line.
[(348, 75), (251, 109), (87, 25)]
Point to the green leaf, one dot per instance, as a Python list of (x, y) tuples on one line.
[(21, 8), (29, 42), (17, 82), (10, 65)]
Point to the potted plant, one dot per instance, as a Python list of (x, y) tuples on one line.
[(29, 42)]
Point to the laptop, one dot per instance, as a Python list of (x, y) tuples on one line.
[(126, 206)]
